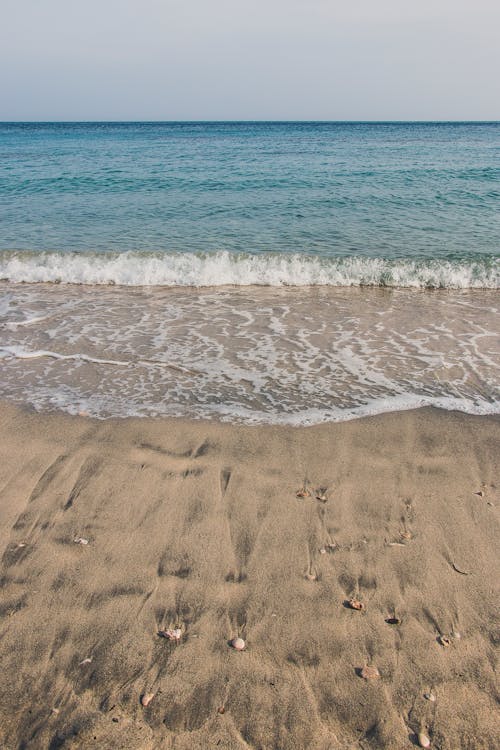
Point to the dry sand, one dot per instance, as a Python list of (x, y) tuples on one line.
[(197, 525)]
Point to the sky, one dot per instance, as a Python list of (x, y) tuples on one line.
[(250, 60)]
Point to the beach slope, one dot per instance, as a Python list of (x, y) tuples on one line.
[(115, 533)]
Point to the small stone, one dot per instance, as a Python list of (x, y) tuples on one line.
[(355, 604), (221, 710), (370, 673), (80, 540), (147, 698), (423, 740), (320, 495), (443, 640), (393, 621), (406, 535), (311, 577), (480, 493), (322, 551), (303, 492), (237, 643), (430, 697)]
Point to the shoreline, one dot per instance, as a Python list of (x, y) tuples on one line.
[(197, 524)]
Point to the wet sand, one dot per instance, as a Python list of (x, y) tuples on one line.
[(198, 525)]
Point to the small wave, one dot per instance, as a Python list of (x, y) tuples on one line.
[(229, 269)]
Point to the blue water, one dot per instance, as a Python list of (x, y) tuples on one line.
[(168, 242), (420, 192)]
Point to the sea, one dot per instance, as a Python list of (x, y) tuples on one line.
[(251, 272)]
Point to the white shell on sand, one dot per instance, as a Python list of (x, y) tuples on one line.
[(80, 540), (356, 604), (370, 673), (237, 643), (430, 697), (423, 740), (146, 699), (171, 634)]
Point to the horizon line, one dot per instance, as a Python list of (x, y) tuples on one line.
[(249, 121)]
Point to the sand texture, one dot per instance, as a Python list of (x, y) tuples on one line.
[(197, 525)]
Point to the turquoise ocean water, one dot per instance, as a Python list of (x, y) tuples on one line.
[(338, 231)]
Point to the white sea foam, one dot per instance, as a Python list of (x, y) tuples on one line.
[(227, 269), (248, 354)]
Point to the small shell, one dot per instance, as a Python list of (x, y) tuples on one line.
[(174, 634), (221, 710), (480, 493), (430, 697), (88, 660), (303, 492), (443, 640), (393, 621), (370, 673), (146, 699), (423, 740), (311, 577), (322, 551), (80, 540), (405, 535), (237, 643), (355, 604), (320, 494)]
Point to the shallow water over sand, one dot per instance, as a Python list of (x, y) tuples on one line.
[(253, 354)]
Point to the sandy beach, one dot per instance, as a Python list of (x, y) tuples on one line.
[(114, 534)]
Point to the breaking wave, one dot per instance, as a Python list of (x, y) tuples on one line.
[(229, 269)]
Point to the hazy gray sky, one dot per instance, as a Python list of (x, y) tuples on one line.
[(249, 59)]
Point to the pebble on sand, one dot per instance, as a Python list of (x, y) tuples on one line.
[(370, 673), (393, 621), (423, 740), (430, 697), (237, 643), (80, 540), (146, 699), (355, 604), (443, 640)]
